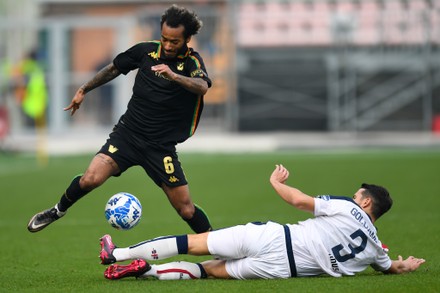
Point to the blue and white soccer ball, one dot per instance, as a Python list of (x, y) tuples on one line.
[(123, 211)]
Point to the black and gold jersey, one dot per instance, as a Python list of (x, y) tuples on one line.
[(161, 111)]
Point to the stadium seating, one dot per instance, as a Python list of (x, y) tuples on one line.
[(323, 23)]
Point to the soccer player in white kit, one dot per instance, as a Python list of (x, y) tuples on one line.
[(340, 240)]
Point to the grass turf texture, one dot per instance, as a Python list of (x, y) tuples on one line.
[(232, 189)]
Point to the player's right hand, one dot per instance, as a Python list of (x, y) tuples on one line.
[(76, 102), (280, 174)]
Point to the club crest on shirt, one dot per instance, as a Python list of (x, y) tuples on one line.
[(180, 66), (153, 55), (324, 197)]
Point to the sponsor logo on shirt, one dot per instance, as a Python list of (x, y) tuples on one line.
[(173, 179), (334, 262), (112, 149), (154, 254), (198, 73)]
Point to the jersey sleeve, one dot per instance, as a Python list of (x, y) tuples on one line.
[(323, 206), (382, 262), (130, 59), (197, 68), (327, 205)]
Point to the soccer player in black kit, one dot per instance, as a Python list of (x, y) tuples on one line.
[(163, 111)]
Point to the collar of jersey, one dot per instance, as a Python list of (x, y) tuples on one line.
[(184, 52)]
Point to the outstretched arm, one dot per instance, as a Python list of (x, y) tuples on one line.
[(291, 195), (401, 266), (103, 76)]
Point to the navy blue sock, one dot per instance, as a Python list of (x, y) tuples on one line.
[(182, 244), (203, 274)]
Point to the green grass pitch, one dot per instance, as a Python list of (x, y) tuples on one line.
[(233, 189)]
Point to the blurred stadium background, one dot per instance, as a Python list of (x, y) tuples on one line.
[(287, 73)]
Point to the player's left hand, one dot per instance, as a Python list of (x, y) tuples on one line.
[(164, 70), (411, 263)]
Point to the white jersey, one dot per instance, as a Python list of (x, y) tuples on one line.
[(340, 240)]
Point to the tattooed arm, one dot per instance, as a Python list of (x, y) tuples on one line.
[(103, 76)]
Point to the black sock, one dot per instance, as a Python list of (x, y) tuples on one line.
[(199, 223), (73, 194)]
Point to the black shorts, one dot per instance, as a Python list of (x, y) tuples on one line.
[(160, 162)]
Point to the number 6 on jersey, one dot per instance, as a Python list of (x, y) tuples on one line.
[(168, 164)]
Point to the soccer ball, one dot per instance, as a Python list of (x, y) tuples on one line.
[(123, 211)]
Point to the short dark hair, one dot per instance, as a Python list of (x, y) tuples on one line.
[(175, 16), (381, 198)]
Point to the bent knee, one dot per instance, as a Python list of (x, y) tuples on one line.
[(216, 269)]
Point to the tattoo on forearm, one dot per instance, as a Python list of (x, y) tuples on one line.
[(103, 76), (194, 85)]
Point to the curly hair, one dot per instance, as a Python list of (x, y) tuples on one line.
[(175, 16)]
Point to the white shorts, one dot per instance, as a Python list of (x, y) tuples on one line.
[(252, 250)]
